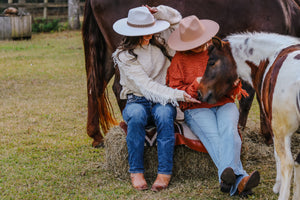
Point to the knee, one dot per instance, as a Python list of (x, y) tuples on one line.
[(138, 117), (238, 140), (136, 114), (233, 136), (164, 113)]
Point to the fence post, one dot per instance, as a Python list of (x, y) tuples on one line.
[(73, 14), (45, 9), (21, 9)]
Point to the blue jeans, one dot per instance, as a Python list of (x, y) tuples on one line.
[(138, 113), (217, 129)]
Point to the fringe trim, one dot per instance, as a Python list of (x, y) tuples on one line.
[(151, 96), (239, 91)]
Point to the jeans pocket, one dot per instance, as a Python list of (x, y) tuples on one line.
[(131, 98)]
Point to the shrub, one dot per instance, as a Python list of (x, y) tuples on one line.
[(45, 25)]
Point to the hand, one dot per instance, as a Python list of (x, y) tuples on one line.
[(188, 98), (152, 9), (198, 79), (236, 82)]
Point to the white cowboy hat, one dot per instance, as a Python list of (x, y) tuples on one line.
[(140, 22), (192, 33)]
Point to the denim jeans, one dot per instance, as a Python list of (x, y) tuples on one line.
[(138, 113), (217, 129)]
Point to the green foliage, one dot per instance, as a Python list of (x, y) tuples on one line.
[(46, 25), (63, 26)]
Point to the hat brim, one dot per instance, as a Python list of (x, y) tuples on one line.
[(175, 42), (122, 28)]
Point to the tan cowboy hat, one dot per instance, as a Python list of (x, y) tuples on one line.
[(192, 33), (140, 22)]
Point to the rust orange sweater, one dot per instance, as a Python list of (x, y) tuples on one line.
[(182, 74)]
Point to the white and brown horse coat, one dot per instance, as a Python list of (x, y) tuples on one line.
[(271, 64), (264, 82)]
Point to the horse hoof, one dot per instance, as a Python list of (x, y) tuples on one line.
[(276, 188)]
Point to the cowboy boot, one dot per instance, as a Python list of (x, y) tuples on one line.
[(138, 181), (227, 179), (249, 182), (161, 182)]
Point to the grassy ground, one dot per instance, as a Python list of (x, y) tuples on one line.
[(45, 152)]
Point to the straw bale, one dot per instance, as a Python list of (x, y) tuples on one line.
[(187, 163), (116, 152), (254, 149)]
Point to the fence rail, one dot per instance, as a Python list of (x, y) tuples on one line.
[(45, 10)]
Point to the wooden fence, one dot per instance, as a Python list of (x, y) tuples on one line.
[(49, 10)]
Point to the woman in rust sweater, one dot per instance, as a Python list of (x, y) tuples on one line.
[(214, 124)]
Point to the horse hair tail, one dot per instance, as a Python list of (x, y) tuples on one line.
[(95, 57)]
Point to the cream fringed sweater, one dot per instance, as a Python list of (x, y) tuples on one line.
[(146, 76)]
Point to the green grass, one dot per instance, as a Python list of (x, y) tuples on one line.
[(45, 152)]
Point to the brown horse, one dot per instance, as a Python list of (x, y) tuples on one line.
[(280, 16)]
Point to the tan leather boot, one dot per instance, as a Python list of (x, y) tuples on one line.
[(249, 182), (138, 181), (162, 181)]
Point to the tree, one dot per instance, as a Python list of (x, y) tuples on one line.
[(73, 14)]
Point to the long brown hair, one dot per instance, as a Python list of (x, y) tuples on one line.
[(129, 43)]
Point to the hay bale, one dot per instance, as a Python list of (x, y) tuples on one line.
[(193, 164), (187, 163), (254, 149), (116, 152)]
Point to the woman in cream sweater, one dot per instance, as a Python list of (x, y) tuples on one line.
[(143, 60)]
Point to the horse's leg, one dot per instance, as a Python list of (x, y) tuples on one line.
[(296, 195), (283, 149), (99, 70), (276, 187), (117, 89), (264, 130), (244, 108), (245, 104), (93, 129), (89, 39)]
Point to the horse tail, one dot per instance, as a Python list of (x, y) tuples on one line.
[(99, 108)]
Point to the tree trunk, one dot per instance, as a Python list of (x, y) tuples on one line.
[(73, 14)]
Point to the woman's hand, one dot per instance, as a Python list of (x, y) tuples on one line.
[(188, 98), (236, 82), (199, 79), (152, 9)]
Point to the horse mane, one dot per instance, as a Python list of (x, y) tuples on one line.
[(95, 59)]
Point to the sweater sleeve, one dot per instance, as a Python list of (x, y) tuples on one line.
[(173, 17), (137, 80), (175, 79), (169, 14)]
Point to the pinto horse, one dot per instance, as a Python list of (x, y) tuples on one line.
[(280, 16), (270, 63)]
